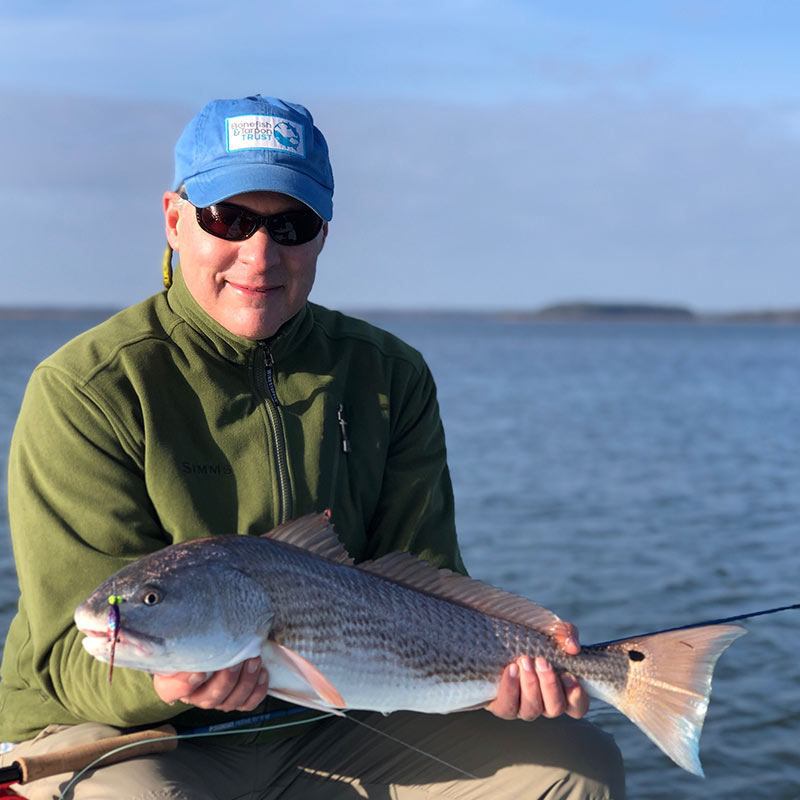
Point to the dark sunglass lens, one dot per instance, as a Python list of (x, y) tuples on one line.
[(227, 222), (294, 227), (234, 223)]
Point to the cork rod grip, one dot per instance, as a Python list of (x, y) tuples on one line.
[(74, 758)]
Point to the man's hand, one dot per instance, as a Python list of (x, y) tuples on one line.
[(239, 688), (529, 689)]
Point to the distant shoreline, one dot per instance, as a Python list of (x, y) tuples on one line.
[(644, 312), (560, 312), (598, 312)]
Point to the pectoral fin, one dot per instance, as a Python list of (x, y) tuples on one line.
[(310, 685), (305, 700)]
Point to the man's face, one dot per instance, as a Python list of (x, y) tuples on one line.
[(250, 287)]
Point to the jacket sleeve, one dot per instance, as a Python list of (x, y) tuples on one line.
[(415, 511), (79, 511)]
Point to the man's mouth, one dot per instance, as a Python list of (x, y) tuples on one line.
[(253, 290)]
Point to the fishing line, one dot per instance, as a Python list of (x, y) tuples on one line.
[(234, 727), (210, 730), (411, 747), (231, 727), (422, 752), (722, 621)]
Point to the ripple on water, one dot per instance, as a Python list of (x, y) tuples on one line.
[(631, 478)]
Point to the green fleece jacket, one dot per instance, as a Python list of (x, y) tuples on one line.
[(159, 426)]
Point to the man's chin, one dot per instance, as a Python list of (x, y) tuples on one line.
[(254, 322)]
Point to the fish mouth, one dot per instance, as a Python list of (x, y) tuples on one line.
[(88, 624), (128, 650), (134, 643)]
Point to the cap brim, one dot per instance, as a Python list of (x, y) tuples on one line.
[(214, 186)]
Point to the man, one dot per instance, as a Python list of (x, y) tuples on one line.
[(227, 405)]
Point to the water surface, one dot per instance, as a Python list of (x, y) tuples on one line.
[(630, 476)]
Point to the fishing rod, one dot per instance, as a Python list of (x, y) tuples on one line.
[(32, 768), (235, 724), (82, 757), (691, 625)]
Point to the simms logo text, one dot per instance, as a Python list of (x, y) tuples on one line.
[(189, 468)]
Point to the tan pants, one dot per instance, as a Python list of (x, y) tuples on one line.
[(559, 759)]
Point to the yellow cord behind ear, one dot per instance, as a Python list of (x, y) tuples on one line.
[(166, 267)]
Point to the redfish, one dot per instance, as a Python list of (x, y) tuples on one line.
[(385, 635)]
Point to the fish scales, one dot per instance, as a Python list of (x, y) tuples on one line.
[(334, 615), (407, 632), (385, 635)]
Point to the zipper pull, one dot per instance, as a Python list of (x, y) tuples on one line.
[(269, 363), (343, 426)]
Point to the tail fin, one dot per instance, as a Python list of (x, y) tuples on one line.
[(668, 686)]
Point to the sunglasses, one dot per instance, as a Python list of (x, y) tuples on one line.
[(234, 223)]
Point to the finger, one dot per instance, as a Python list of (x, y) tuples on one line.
[(552, 692), (530, 703), (571, 644), (576, 697), (506, 704), (259, 693), (242, 690), (171, 688), (214, 692)]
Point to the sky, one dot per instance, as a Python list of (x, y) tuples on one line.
[(488, 154)]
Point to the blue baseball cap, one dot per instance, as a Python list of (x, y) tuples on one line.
[(250, 145)]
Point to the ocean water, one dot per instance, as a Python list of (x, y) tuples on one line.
[(629, 476)]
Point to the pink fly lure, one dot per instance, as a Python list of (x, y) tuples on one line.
[(113, 630)]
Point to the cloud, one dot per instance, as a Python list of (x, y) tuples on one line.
[(519, 205), (493, 205)]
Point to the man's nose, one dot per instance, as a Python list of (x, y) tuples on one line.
[(260, 249)]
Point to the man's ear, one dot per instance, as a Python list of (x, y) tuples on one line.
[(172, 215)]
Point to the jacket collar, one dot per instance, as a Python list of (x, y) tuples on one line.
[(219, 339)]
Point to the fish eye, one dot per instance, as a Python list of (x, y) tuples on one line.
[(150, 596)]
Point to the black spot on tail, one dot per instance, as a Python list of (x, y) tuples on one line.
[(635, 655)]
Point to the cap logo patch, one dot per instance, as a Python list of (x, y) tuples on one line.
[(260, 132)]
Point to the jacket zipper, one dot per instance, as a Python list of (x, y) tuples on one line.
[(343, 428), (342, 451), (269, 366), (272, 405)]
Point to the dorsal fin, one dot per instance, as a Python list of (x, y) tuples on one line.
[(411, 571), (313, 533)]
